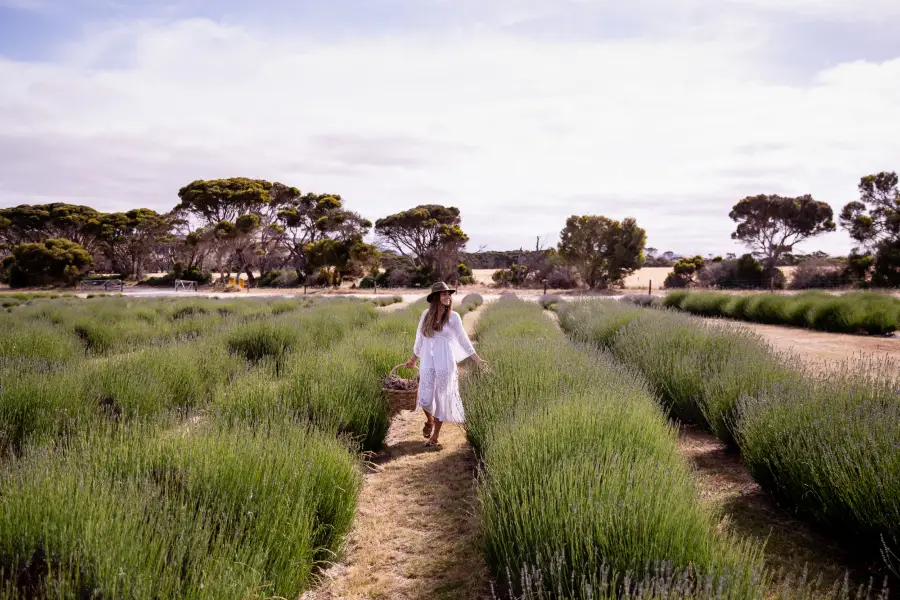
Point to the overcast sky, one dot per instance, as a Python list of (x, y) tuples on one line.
[(519, 112)]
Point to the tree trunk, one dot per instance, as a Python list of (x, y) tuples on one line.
[(250, 278)]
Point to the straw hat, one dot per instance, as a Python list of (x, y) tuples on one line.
[(437, 288)]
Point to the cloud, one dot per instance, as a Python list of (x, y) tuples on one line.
[(671, 131)]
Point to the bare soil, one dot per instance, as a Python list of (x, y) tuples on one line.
[(820, 350), (725, 484), (416, 533)]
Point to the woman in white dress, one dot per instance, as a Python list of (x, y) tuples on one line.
[(441, 342)]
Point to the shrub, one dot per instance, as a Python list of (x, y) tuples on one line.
[(644, 300), (699, 369), (743, 273), (683, 272), (582, 478), (827, 449), (857, 312), (257, 341), (277, 279), (220, 513), (193, 273), (469, 303), (53, 261), (706, 304), (820, 273), (550, 301)]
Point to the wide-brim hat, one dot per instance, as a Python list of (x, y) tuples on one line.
[(437, 288)]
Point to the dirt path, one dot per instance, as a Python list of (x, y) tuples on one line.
[(820, 349), (416, 534), (749, 511)]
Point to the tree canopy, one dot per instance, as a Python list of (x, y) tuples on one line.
[(874, 222), (429, 235), (35, 223), (220, 200), (603, 251), (683, 272), (310, 219), (127, 239), (51, 261), (771, 225)]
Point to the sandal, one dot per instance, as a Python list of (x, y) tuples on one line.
[(431, 444), (426, 430)]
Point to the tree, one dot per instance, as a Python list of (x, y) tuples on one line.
[(238, 216), (771, 225), (35, 223), (603, 251), (312, 218), (128, 239), (874, 222), (429, 235), (683, 272), (337, 259), (52, 261)]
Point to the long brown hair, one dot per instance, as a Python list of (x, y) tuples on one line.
[(432, 322)]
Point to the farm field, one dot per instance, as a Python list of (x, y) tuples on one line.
[(798, 433), (161, 440), (151, 447)]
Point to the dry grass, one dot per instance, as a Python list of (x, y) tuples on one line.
[(416, 534)]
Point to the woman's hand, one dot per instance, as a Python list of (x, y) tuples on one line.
[(411, 363)]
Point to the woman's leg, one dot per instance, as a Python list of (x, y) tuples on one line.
[(433, 440), (429, 424)]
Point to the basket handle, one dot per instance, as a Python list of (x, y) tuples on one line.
[(394, 370)]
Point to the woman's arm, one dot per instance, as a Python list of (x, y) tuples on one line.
[(462, 338)]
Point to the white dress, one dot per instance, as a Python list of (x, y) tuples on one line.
[(438, 375)]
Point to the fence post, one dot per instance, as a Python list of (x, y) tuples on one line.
[(375, 286), (650, 288)]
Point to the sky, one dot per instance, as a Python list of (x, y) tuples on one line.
[(518, 112)]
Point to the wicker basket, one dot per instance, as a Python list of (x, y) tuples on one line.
[(402, 399)]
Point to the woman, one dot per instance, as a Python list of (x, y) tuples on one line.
[(441, 342)]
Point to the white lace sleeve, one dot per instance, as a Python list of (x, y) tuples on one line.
[(417, 348), (461, 336)]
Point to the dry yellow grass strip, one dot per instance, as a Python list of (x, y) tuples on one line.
[(416, 534)]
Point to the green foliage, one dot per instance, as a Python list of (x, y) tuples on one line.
[(825, 447), (192, 273), (514, 276), (53, 261), (855, 312), (827, 450), (35, 223), (603, 251), (582, 478), (699, 369), (742, 273), (464, 275), (772, 225), (224, 512), (874, 222), (127, 239), (277, 279), (429, 234), (683, 272), (223, 200)]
